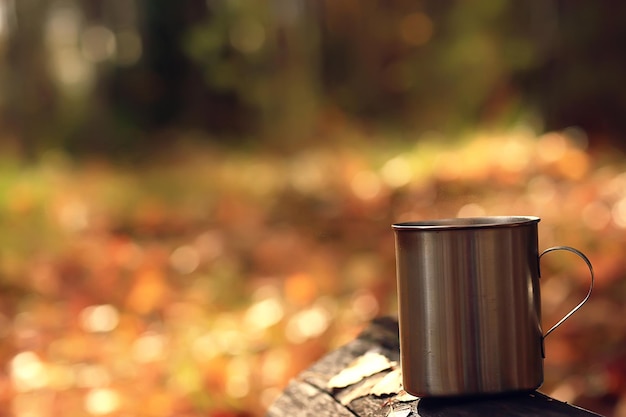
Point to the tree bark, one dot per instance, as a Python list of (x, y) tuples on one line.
[(314, 392)]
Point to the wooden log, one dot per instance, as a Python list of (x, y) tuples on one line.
[(362, 378)]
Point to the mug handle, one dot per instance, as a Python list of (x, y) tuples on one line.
[(588, 262)]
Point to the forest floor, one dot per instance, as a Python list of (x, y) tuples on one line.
[(199, 283)]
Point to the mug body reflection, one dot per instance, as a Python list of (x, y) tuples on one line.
[(469, 305)]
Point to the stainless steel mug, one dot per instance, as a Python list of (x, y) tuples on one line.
[(469, 305)]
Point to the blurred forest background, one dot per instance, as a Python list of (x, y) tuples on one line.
[(196, 196)]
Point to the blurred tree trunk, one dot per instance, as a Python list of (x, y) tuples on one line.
[(30, 94), (295, 86)]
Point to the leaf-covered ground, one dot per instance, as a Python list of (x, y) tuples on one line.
[(197, 284)]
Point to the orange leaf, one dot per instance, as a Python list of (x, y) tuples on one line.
[(300, 289), (148, 292)]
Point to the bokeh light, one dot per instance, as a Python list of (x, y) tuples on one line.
[(149, 347), (308, 323), (99, 318), (366, 185), (98, 44), (28, 372), (264, 314), (102, 401), (185, 259), (397, 172)]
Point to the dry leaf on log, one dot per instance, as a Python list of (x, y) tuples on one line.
[(365, 365)]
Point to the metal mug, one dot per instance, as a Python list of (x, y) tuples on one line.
[(470, 306)]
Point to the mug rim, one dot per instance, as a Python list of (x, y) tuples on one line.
[(466, 223)]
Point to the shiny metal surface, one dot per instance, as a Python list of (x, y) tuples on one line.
[(579, 305), (469, 305)]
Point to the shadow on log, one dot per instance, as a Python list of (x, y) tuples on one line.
[(363, 378)]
